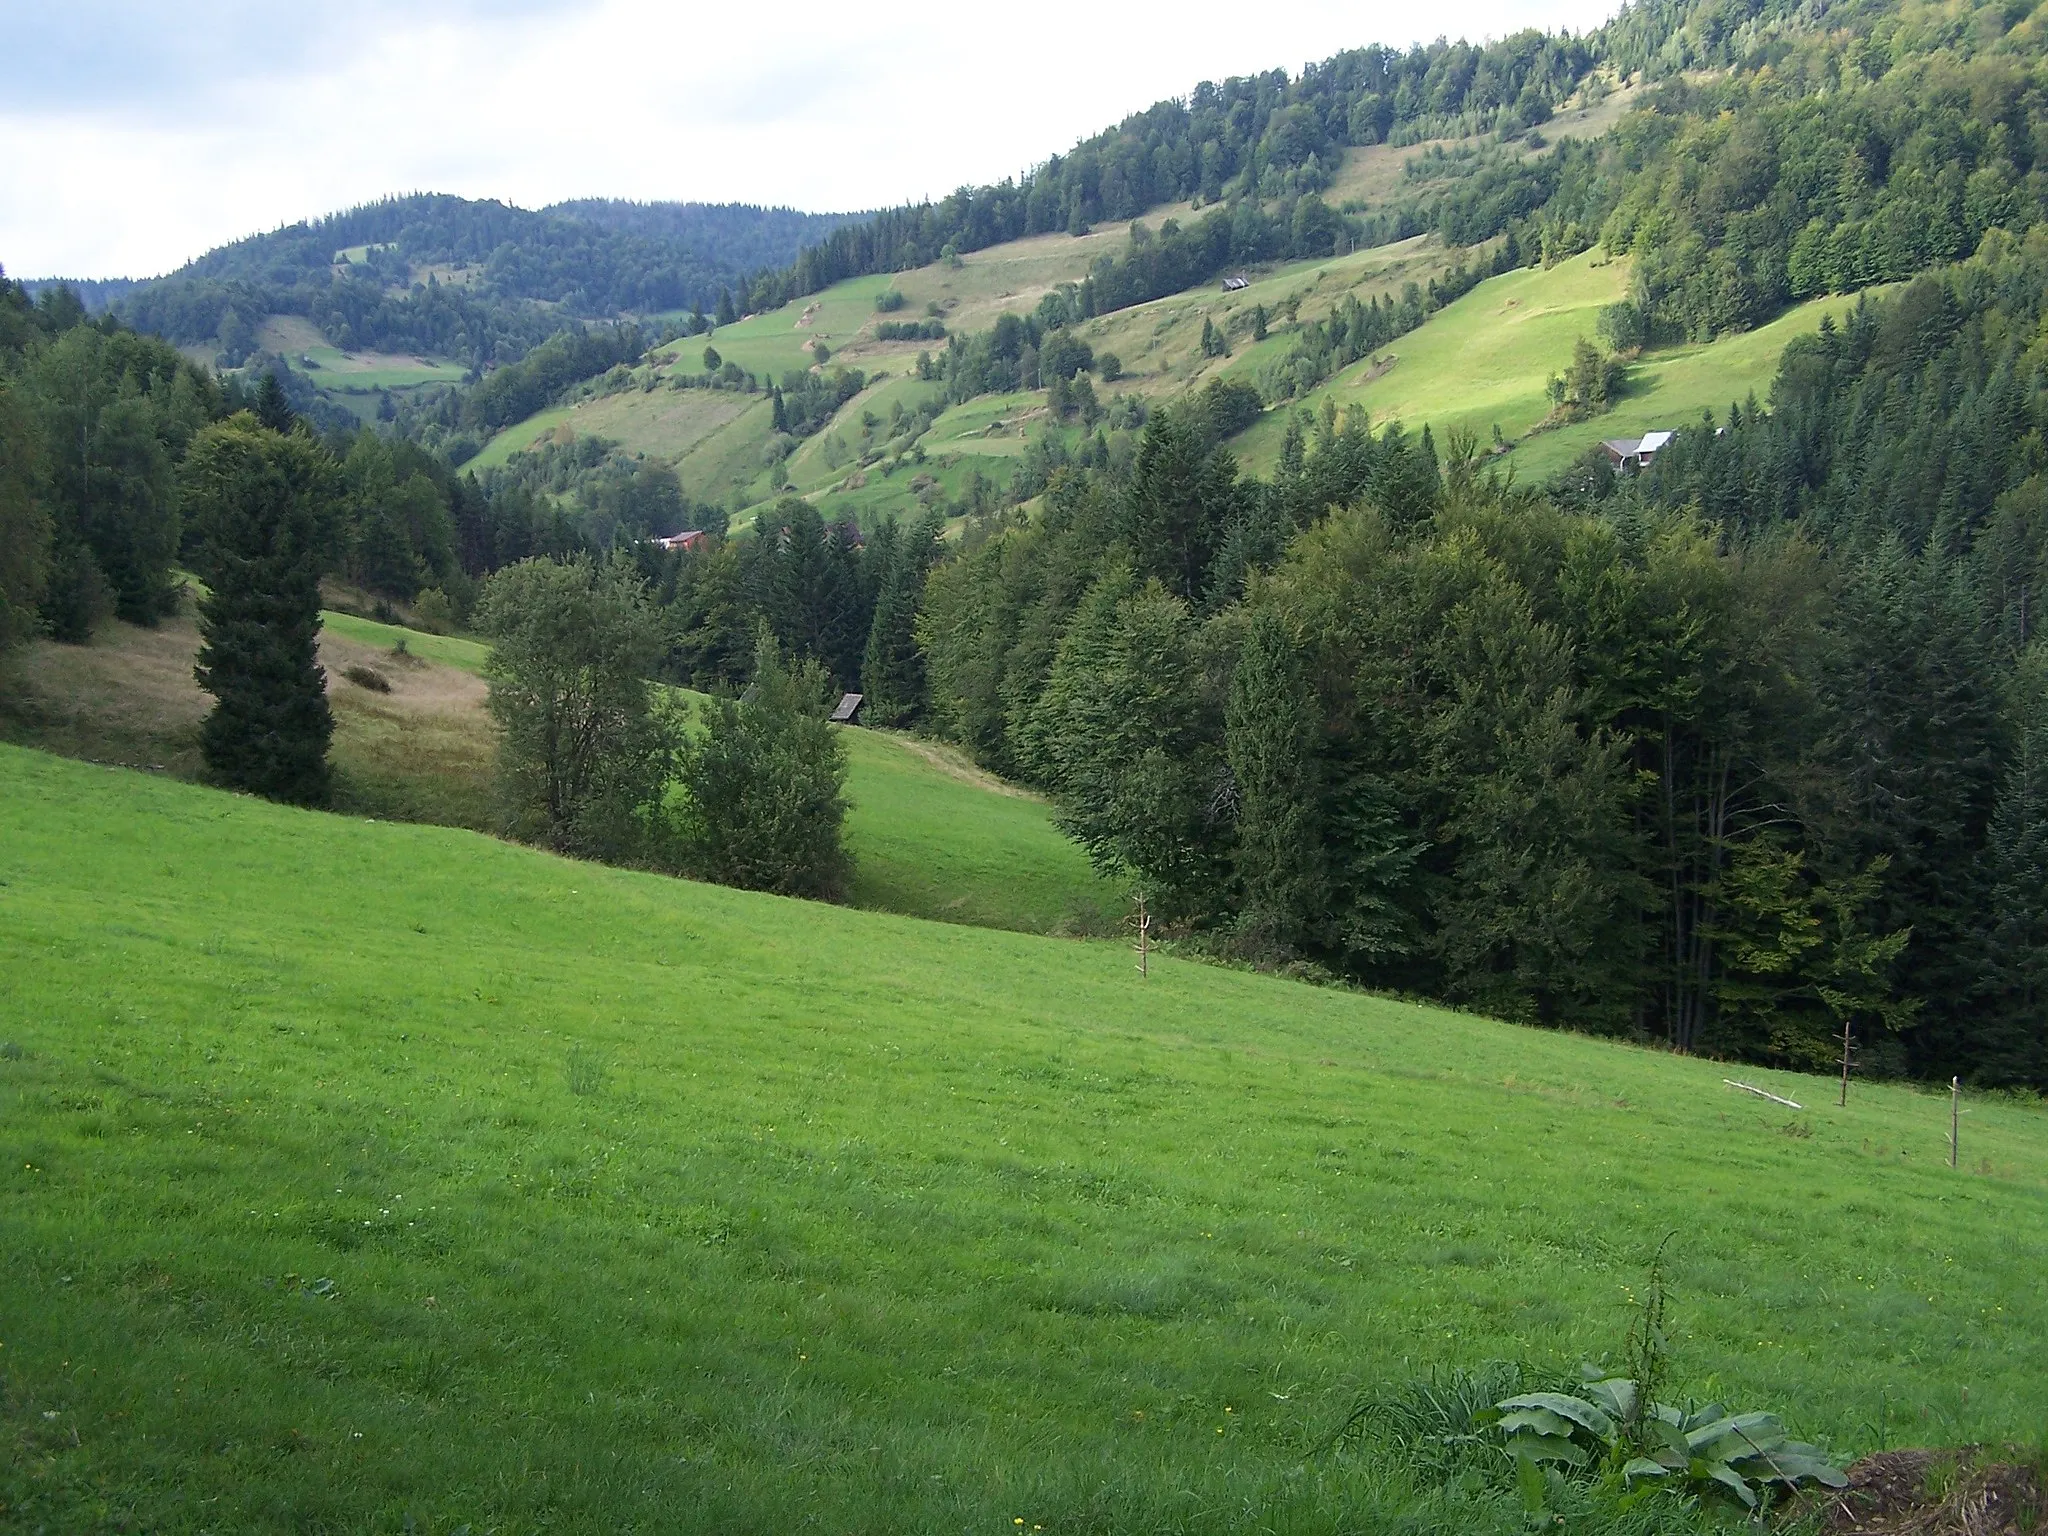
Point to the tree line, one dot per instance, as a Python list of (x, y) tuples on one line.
[(1734, 756), (1259, 138)]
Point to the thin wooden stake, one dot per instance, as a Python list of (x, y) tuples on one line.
[(1144, 921), (1955, 1119), (1845, 1063)]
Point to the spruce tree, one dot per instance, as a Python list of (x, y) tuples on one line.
[(2015, 1047), (261, 504), (1270, 738), (24, 524), (1183, 491), (273, 409), (892, 671)]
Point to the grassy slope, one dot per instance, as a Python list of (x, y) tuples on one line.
[(931, 835), (715, 439), (662, 423), (337, 369), (1486, 359), (358, 1176), (449, 650)]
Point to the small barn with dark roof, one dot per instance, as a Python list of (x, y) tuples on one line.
[(848, 710)]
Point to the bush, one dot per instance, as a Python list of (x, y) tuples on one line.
[(758, 800), (77, 598), (888, 301), (433, 612), (367, 677), (1108, 367), (1232, 406)]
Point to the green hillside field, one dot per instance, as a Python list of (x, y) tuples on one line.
[(714, 439), (381, 1178), (931, 835), (1486, 359), (354, 380)]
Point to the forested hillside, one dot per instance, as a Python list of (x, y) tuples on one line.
[(1744, 754), (476, 280)]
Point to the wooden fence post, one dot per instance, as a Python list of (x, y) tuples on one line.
[(1955, 1119)]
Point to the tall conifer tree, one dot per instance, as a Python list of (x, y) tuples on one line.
[(1270, 738), (892, 671), (2016, 1049), (260, 501)]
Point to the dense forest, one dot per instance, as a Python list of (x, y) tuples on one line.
[(479, 281), (95, 423), (1657, 757)]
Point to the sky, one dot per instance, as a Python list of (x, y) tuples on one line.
[(134, 136)]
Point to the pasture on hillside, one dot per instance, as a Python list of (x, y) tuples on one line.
[(931, 835), (1486, 358), (379, 1177), (715, 439)]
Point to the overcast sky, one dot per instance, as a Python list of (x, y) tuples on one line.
[(135, 134)]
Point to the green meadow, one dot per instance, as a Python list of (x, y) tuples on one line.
[(1485, 360), (335, 370), (934, 836), (714, 439), (931, 834), (450, 650), (372, 1177)]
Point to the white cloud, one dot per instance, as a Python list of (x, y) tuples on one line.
[(819, 107)]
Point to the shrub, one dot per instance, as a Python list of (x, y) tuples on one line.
[(1108, 367), (433, 612), (367, 677), (77, 599), (758, 802), (888, 301)]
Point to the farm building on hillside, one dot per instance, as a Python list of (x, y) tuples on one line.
[(1236, 284), (1630, 454), (848, 710), (689, 538)]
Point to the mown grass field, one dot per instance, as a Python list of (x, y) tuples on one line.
[(934, 836), (450, 650), (662, 423), (374, 1177), (714, 440), (336, 370), (1485, 360), (931, 835)]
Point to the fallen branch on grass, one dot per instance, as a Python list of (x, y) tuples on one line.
[(1760, 1093)]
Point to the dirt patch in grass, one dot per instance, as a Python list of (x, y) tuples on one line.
[(1962, 1492)]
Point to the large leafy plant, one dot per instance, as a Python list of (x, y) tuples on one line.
[(1609, 1421), (1617, 1422)]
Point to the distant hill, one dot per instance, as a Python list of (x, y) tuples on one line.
[(479, 281)]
